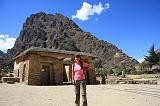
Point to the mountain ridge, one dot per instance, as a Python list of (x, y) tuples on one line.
[(60, 32)]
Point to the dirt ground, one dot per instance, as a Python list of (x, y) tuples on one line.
[(98, 95)]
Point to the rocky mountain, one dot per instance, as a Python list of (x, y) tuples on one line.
[(158, 51), (2, 54), (59, 32), (2, 58)]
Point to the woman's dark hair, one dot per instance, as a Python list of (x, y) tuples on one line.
[(81, 63), (77, 56)]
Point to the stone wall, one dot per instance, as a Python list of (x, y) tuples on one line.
[(58, 69), (34, 70), (92, 77), (21, 69), (55, 66)]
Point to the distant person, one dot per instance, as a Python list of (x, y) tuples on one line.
[(78, 79)]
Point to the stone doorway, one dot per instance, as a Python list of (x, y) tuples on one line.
[(23, 74), (46, 74), (65, 78), (67, 74)]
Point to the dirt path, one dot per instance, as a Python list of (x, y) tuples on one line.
[(98, 95)]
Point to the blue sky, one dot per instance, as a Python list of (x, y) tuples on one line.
[(131, 25)]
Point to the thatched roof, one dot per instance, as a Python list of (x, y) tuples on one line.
[(39, 49)]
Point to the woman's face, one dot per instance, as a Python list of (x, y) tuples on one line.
[(77, 59)]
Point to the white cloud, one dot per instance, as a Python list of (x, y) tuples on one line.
[(141, 60), (98, 8), (84, 12), (6, 42), (107, 6), (3, 36), (88, 10)]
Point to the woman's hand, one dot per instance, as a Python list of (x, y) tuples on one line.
[(87, 65)]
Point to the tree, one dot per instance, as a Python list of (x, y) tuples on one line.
[(98, 66), (110, 71), (153, 57), (101, 72), (143, 67), (8, 66), (98, 63), (118, 70)]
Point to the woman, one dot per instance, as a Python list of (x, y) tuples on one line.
[(78, 79)]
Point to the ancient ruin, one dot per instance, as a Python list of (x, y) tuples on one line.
[(43, 66)]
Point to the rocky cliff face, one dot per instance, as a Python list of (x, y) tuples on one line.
[(2, 58), (59, 32), (2, 54)]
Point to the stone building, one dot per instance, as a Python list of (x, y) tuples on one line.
[(42, 66), (1, 61)]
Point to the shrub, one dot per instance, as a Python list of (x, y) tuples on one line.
[(110, 71)]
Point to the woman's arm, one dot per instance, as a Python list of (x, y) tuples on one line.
[(87, 65)]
